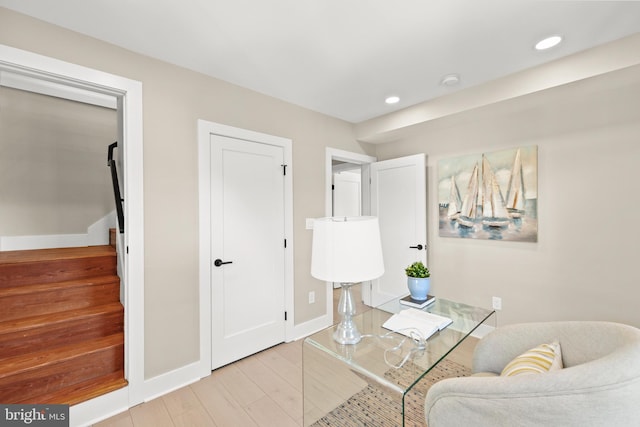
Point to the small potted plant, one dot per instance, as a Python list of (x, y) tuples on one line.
[(418, 280)]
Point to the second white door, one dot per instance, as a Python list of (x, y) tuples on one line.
[(398, 199)]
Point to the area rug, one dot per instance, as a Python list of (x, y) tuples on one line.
[(372, 407)]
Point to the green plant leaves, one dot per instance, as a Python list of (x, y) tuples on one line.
[(417, 269)]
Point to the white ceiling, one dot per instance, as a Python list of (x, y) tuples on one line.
[(344, 57)]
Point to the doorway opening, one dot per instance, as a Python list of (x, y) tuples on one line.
[(66, 80), (348, 176), (56, 190), (394, 190)]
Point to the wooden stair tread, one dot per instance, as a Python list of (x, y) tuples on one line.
[(17, 364), (43, 320), (81, 392), (56, 286), (12, 257)]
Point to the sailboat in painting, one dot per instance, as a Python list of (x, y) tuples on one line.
[(453, 211), (494, 212), (468, 211), (515, 194)]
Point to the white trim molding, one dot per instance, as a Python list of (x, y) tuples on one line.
[(59, 90), (312, 326), (171, 381), (482, 330), (100, 408)]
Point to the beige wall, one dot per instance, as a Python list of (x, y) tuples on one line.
[(53, 164), (173, 100), (583, 266), (587, 133)]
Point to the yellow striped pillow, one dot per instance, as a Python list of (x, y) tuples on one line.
[(544, 358)]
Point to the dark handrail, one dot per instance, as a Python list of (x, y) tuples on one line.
[(116, 187)]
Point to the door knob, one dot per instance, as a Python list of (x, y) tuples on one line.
[(219, 262), (418, 247)]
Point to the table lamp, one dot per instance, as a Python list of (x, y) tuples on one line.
[(346, 250)]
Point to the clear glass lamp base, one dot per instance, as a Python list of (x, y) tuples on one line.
[(346, 331)]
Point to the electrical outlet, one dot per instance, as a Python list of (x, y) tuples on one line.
[(312, 297), (496, 303)]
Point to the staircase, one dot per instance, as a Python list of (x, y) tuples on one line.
[(61, 325)]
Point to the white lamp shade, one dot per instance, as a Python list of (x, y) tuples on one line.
[(346, 250)]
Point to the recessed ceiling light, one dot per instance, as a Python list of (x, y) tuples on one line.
[(450, 80), (548, 43), (392, 100)]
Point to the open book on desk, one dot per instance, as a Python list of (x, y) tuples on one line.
[(413, 319)]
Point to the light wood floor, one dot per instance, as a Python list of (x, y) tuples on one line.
[(261, 390)]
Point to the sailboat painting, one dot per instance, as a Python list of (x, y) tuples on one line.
[(499, 198)]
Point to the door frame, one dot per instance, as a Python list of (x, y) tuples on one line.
[(129, 97), (205, 129), (332, 154)]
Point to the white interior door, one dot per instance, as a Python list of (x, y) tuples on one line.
[(248, 239), (398, 199), (346, 194)]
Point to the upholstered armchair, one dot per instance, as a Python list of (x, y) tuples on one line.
[(599, 384)]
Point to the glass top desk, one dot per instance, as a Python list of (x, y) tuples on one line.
[(355, 385)]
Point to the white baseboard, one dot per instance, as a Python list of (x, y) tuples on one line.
[(100, 408), (97, 234), (310, 327), (19, 243), (171, 381), (482, 330), (108, 405)]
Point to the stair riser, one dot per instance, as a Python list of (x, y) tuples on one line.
[(27, 273), (23, 386), (54, 301), (83, 391), (49, 336)]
